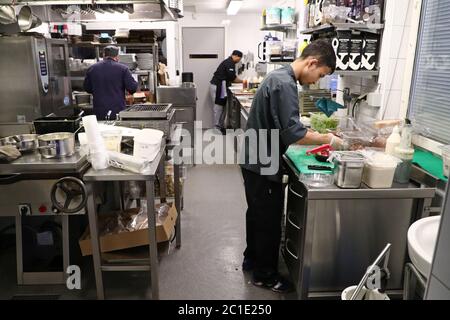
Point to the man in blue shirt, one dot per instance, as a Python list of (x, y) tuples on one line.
[(107, 81), (275, 111)]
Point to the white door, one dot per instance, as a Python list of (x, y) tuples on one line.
[(203, 51)]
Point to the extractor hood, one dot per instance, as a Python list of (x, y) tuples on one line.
[(88, 10)]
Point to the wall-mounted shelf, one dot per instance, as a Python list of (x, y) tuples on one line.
[(279, 27), (359, 73), (373, 28)]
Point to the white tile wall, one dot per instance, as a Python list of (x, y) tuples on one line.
[(396, 74), (392, 101), (394, 52), (399, 42)]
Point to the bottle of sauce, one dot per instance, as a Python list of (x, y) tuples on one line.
[(393, 141)]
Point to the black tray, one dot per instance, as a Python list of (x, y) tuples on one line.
[(56, 124)]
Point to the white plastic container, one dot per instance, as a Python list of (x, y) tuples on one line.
[(379, 170), (84, 145), (446, 160), (147, 144)]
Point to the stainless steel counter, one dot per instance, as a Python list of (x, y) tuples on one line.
[(332, 235), (34, 163)]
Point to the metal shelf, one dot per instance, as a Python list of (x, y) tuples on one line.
[(98, 44), (373, 27), (279, 27), (359, 73)]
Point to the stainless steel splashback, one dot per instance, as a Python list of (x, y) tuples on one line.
[(34, 79), (177, 96)]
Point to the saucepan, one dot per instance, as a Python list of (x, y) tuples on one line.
[(23, 142), (25, 18), (57, 145), (27, 142)]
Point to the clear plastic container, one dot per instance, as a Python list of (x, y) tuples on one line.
[(317, 180), (356, 140), (112, 139)]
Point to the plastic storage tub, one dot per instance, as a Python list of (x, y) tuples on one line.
[(147, 144), (379, 170)]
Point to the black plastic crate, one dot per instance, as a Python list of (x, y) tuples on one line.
[(57, 124)]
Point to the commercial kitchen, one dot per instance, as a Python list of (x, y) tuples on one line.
[(149, 199)]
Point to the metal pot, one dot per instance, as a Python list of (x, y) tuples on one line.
[(7, 15), (25, 18), (8, 141), (27, 142), (57, 145)]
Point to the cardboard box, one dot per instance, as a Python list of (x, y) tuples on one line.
[(124, 240)]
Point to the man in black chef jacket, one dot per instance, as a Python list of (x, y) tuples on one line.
[(107, 81), (222, 79), (275, 110)]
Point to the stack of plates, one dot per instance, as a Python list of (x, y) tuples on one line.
[(128, 59), (144, 61)]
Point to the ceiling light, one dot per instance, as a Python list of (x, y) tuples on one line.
[(233, 7)]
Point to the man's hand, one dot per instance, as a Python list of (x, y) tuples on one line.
[(336, 142)]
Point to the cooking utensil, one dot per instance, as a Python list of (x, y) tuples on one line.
[(35, 22), (321, 153), (7, 15), (56, 145), (25, 18), (27, 142), (320, 168), (8, 141)]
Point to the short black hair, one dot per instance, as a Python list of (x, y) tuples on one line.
[(237, 53), (323, 51), (111, 51)]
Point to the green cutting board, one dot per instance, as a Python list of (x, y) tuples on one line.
[(430, 163), (297, 154)]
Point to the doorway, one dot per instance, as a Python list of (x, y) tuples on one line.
[(203, 50)]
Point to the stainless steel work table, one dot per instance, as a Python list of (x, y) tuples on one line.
[(112, 174), (332, 235)]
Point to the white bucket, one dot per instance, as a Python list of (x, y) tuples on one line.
[(366, 293), (147, 144)]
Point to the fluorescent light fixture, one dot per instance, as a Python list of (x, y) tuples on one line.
[(233, 7)]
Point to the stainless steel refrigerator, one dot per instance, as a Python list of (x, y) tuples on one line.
[(34, 79)]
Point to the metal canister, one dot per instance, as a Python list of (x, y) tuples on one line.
[(349, 168)]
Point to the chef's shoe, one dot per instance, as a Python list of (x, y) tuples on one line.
[(277, 284)]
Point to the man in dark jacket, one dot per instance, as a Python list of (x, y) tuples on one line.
[(222, 79), (275, 111), (107, 81)]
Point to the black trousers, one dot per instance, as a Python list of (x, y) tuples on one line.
[(265, 201)]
